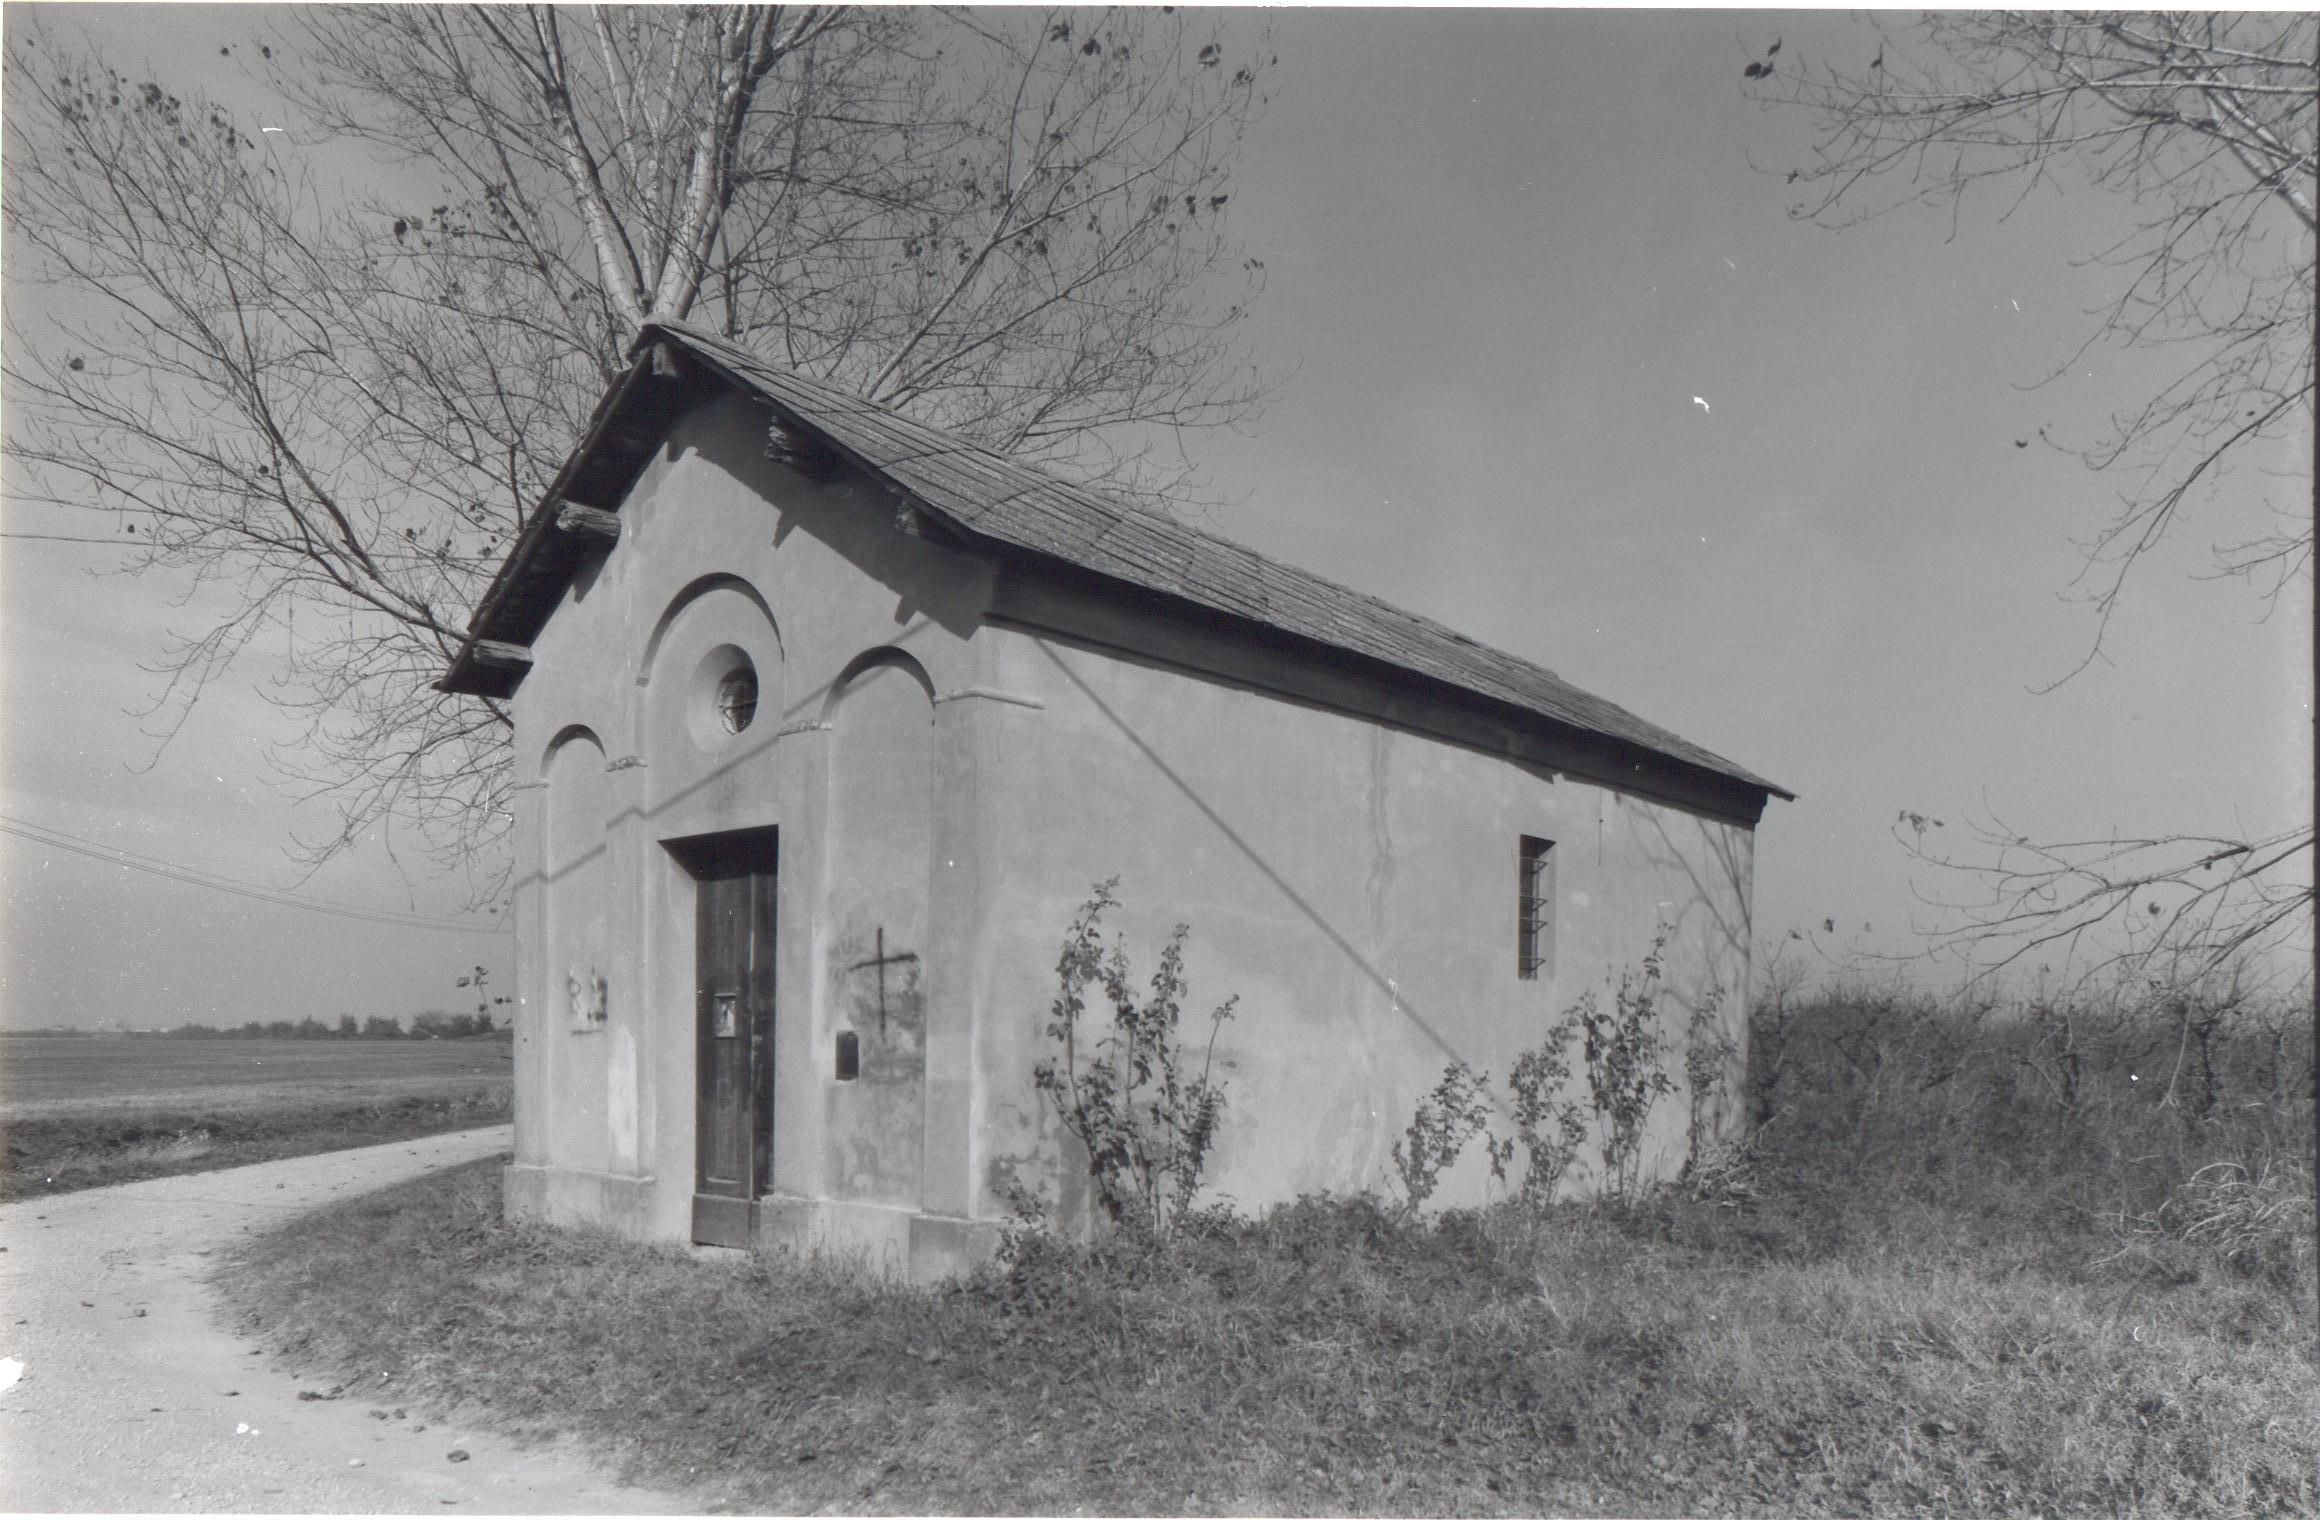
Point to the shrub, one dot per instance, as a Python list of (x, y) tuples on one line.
[(1716, 1170), (1624, 1074), (1126, 1096), (1548, 1126), (2143, 1134), (1454, 1112), (1708, 1052)]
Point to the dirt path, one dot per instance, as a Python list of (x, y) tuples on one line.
[(134, 1397)]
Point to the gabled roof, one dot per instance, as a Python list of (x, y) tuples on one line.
[(983, 495)]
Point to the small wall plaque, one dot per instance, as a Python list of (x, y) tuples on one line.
[(586, 993)]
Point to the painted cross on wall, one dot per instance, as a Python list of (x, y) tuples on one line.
[(881, 960)]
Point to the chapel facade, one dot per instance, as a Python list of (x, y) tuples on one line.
[(826, 723)]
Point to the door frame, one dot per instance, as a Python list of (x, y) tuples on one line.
[(721, 1218)]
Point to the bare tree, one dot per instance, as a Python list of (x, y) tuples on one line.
[(2202, 126), (2173, 906), (341, 406)]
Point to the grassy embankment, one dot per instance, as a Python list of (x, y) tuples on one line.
[(82, 1113), (2027, 1264)]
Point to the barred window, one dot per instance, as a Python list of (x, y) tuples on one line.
[(1535, 909), (737, 698)]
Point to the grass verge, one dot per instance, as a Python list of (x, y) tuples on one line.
[(1330, 1359), (43, 1154), (1932, 1290)]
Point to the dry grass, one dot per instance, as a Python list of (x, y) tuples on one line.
[(67, 1154), (1930, 1294)]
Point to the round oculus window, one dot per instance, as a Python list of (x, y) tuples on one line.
[(737, 699)]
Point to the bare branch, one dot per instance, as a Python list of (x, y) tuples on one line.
[(342, 408), (2202, 123), (2190, 903)]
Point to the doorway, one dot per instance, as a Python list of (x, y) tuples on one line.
[(735, 880)]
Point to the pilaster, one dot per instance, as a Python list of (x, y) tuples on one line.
[(637, 1029), (803, 1066), (536, 1002), (968, 727)]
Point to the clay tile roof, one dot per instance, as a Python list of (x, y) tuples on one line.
[(1020, 506)]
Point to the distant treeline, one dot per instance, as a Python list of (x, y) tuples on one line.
[(426, 1026)]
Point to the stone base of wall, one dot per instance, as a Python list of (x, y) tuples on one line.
[(894, 1242), (942, 1249), (561, 1196)]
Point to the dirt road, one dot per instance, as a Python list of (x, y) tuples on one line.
[(134, 1397)]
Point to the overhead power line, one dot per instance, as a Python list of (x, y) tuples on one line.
[(193, 876)]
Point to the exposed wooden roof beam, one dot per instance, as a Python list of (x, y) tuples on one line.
[(791, 445), (592, 524), (491, 654)]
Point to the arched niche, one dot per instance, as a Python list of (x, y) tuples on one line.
[(694, 591), (575, 878), (712, 673), (863, 665), (880, 854)]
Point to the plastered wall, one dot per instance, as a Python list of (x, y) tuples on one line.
[(1354, 885), (848, 625), (948, 785)]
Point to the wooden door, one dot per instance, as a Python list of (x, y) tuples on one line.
[(734, 885)]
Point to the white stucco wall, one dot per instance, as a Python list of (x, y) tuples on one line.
[(1356, 887), (1352, 881)]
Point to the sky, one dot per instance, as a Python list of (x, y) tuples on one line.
[(1557, 368)]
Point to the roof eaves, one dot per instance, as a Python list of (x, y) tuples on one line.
[(1017, 508)]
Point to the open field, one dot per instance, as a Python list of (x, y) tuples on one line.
[(49, 1074), (78, 1113), (2036, 1265)]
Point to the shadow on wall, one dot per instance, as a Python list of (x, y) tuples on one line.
[(1718, 872), (811, 707), (693, 592), (864, 531), (572, 773), (1233, 836), (1720, 877), (856, 517), (1720, 880), (1709, 856)]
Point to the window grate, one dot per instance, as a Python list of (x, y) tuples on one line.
[(737, 699), (1534, 949)]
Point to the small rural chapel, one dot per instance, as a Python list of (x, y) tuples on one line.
[(826, 723)]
